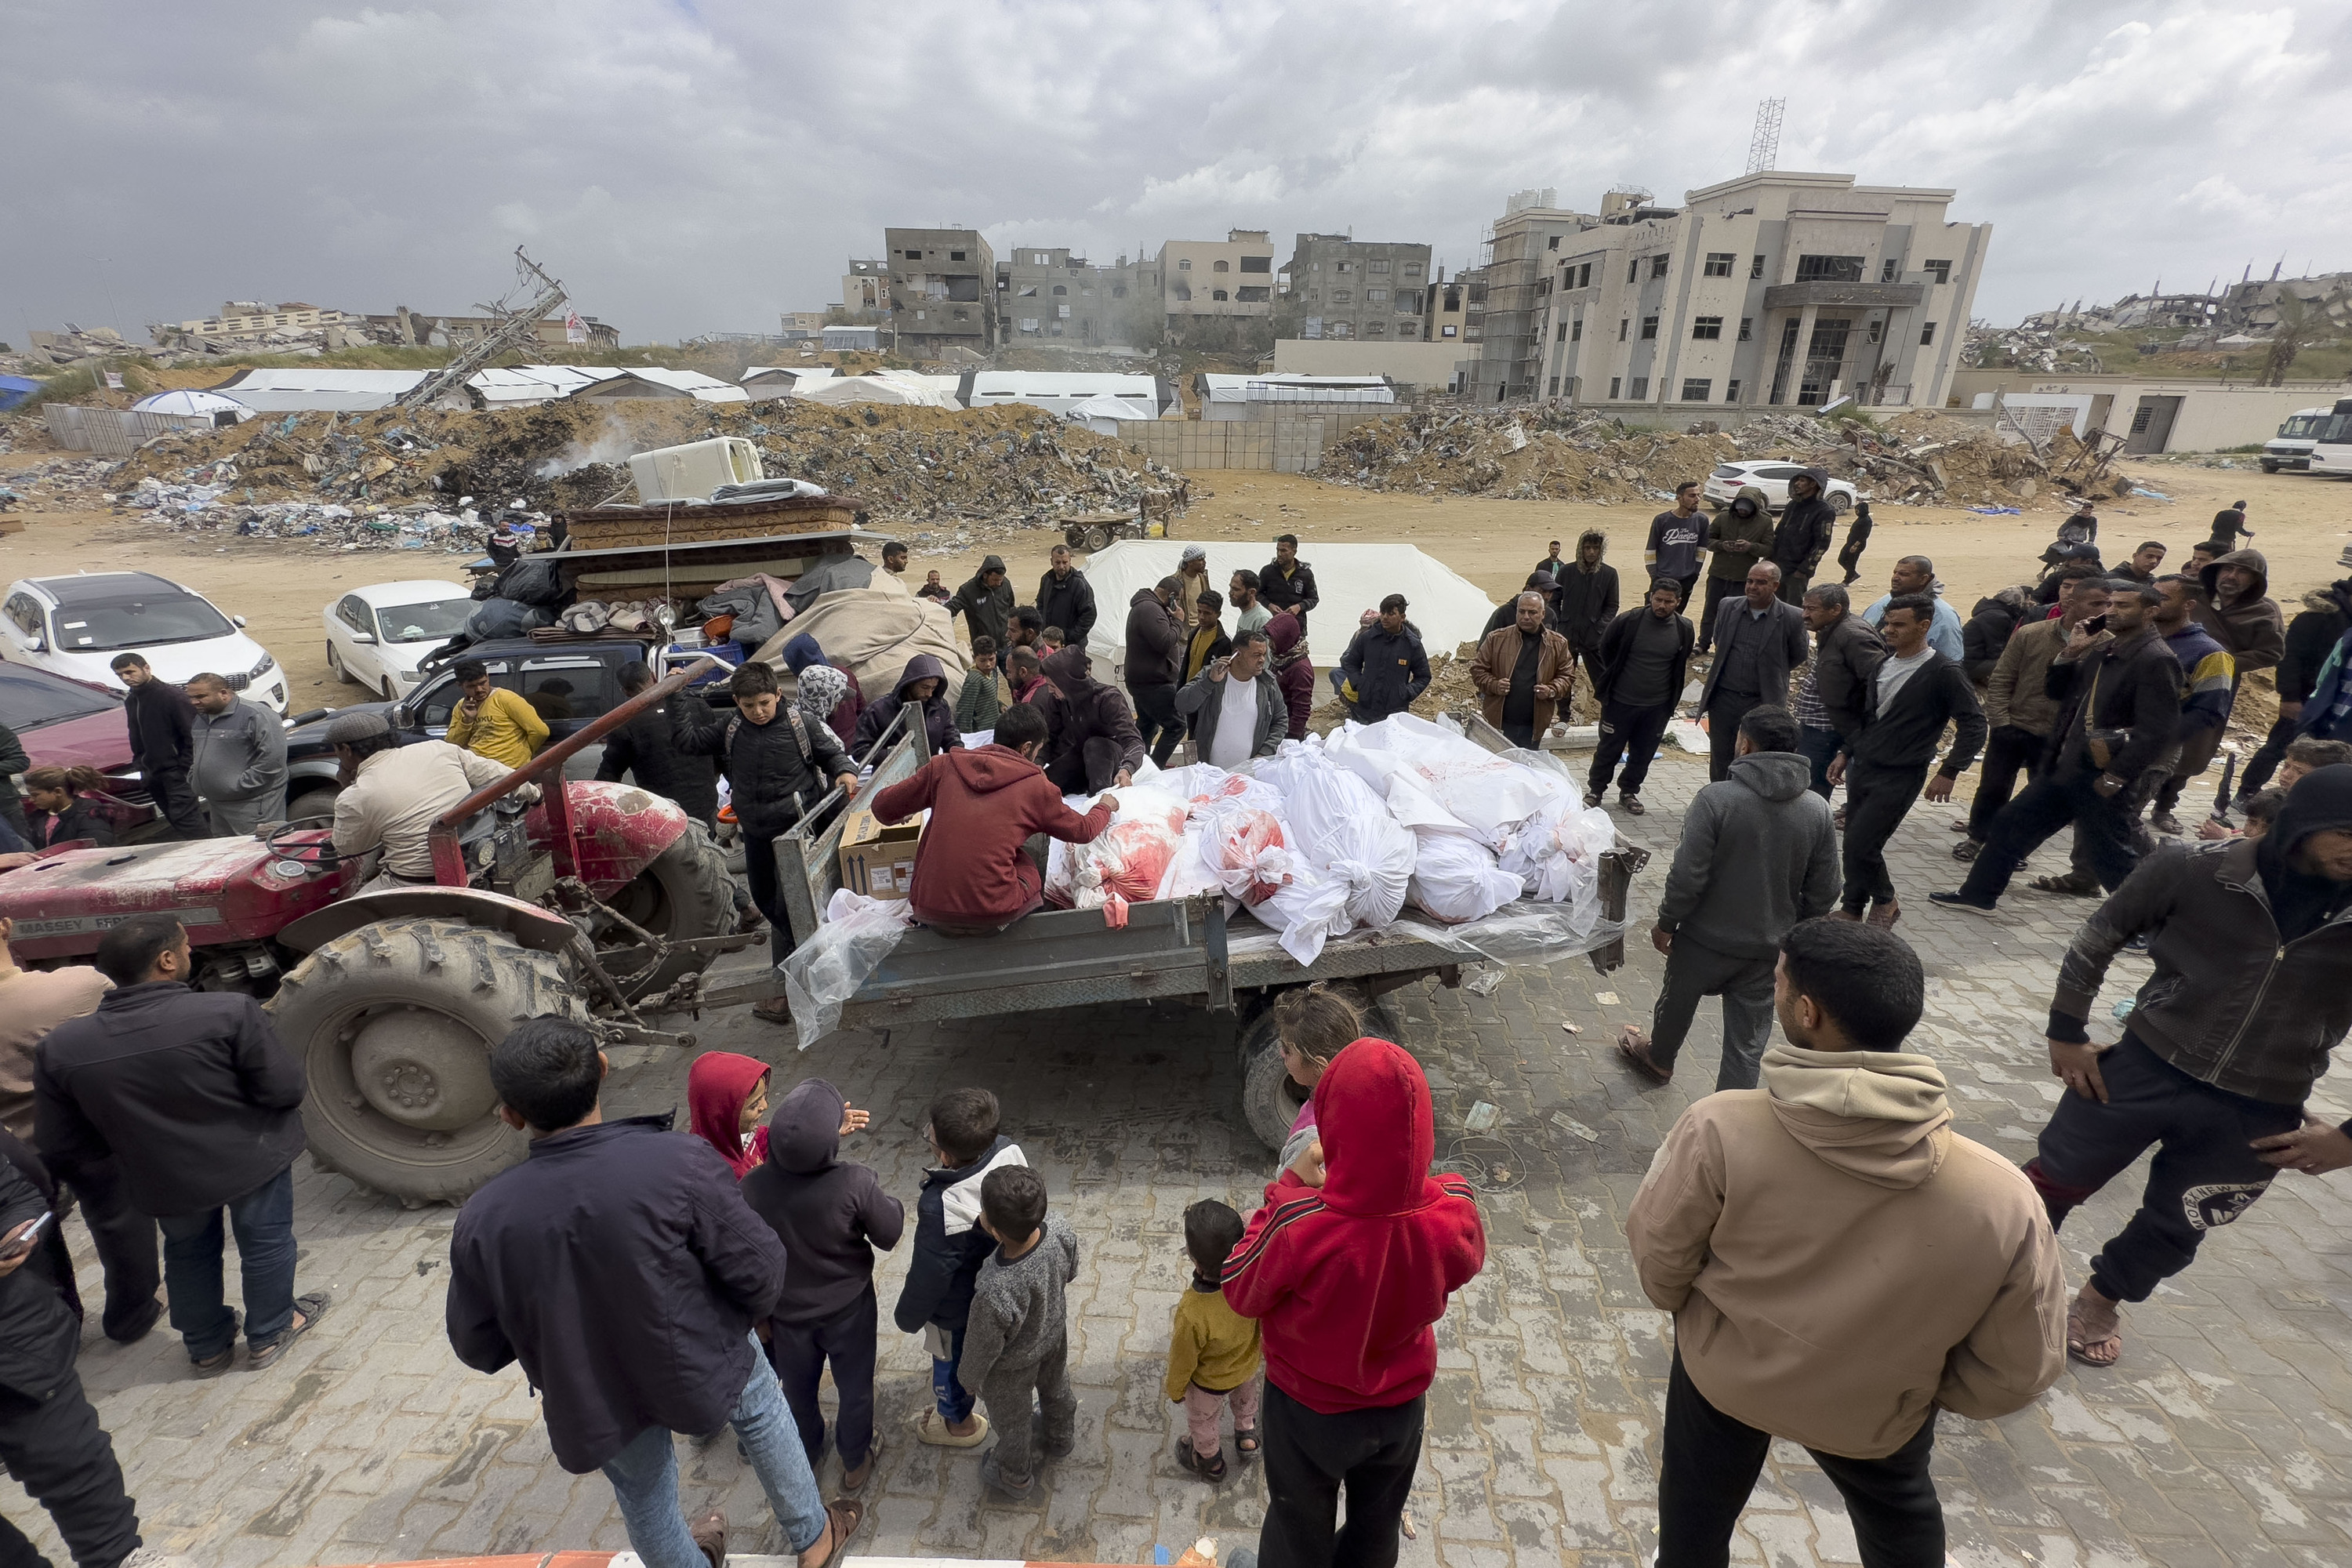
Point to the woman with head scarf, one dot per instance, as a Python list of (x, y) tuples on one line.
[(833, 680)]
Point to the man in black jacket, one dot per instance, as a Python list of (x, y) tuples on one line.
[(2311, 636), (2120, 711), (199, 1105), (985, 601), (1802, 536), (162, 743), (49, 1435), (1833, 699), (1644, 657), (651, 749), (1065, 599), (1757, 641), (2252, 990), (777, 765), (1915, 692), (1155, 661), (1385, 666), (1286, 583), (1586, 602), (620, 1265)]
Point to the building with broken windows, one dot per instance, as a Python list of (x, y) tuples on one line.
[(1773, 290), (1044, 293), (1219, 293), (866, 290), (1339, 288), (942, 291), (1521, 246)]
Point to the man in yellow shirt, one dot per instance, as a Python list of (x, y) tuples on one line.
[(494, 722)]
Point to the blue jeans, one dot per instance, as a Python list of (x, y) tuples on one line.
[(955, 1401), (264, 1221), (644, 1476)]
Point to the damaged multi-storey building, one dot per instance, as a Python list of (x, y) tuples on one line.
[(1045, 294), (1337, 287), (1775, 288), (942, 292)]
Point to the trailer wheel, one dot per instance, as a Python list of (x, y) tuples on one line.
[(1097, 537), (687, 892), (395, 1023), (1270, 1098)]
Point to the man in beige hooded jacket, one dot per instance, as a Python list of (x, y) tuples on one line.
[(1839, 1264)]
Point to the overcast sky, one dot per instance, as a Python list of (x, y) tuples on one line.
[(705, 165)]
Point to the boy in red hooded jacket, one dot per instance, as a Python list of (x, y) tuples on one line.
[(972, 877), (1345, 1269)]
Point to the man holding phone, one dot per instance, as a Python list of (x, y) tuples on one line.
[(49, 1435)]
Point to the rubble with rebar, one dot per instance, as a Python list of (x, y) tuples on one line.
[(1555, 452), (429, 477)]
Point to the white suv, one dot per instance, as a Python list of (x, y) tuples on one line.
[(1771, 475), (76, 625)]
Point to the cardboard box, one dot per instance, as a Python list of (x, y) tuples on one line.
[(878, 861)]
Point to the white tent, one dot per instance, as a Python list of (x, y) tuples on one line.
[(201, 403), (899, 386), (1102, 413), (301, 389), (1348, 579)]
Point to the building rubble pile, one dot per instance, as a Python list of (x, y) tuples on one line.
[(425, 477), (1560, 453)]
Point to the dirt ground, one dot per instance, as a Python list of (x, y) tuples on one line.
[(2301, 524)]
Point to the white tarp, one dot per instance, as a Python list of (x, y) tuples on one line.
[(1102, 413), (875, 631), (1350, 579), (303, 389), (201, 402), (899, 386)]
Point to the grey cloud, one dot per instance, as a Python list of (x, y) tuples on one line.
[(691, 168)]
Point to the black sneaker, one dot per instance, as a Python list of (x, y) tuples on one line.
[(1954, 901)]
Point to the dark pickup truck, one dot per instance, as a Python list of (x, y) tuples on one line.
[(570, 683)]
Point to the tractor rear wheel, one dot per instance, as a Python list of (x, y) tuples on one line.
[(395, 1023), (687, 892)]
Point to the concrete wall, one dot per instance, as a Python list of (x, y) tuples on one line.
[(2211, 413), (1410, 363), (1284, 444)]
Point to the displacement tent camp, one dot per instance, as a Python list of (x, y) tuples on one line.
[(1349, 578), (895, 387)]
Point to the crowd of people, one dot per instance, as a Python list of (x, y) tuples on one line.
[(1823, 1184)]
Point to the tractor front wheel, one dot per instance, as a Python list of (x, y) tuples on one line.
[(394, 1022)]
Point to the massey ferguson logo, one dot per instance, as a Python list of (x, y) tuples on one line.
[(77, 925)]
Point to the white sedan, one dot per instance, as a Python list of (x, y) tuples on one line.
[(76, 627), (376, 634), (1771, 475)]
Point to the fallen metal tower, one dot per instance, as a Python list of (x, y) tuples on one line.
[(512, 329)]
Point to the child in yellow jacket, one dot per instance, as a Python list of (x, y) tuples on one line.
[(1213, 1356)]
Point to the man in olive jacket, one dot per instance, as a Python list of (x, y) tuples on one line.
[(1523, 673)]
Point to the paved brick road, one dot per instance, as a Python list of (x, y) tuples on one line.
[(2224, 1437)]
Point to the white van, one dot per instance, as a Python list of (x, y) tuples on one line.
[(2331, 446), (2290, 448)]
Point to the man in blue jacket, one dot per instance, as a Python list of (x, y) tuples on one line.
[(621, 1267), (1916, 574)]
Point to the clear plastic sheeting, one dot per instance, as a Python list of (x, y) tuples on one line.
[(1522, 932), (825, 971)]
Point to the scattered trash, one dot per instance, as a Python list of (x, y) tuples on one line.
[(2123, 1009), (1571, 1028), (1484, 983), (1606, 998), (1566, 1123), (1482, 1116), (1996, 511)]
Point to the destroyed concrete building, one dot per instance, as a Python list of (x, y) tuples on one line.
[(244, 326), (1219, 294), (1773, 290), (942, 292), (865, 292), (1044, 293), (1335, 286)]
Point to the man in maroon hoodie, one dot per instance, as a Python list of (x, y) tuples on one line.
[(972, 877), (1345, 1269)]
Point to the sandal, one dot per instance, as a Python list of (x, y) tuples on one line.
[(842, 1518), (1635, 1050), (1210, 1469), (931, 1429), (2066, 882), (1245, 1443), (2081, 1347), (1632, 803), (772, 1010), (1968, 850)]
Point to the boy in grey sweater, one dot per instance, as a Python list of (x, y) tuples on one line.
[(1016, 1345)]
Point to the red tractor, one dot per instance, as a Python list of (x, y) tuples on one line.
[(600, 902)]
